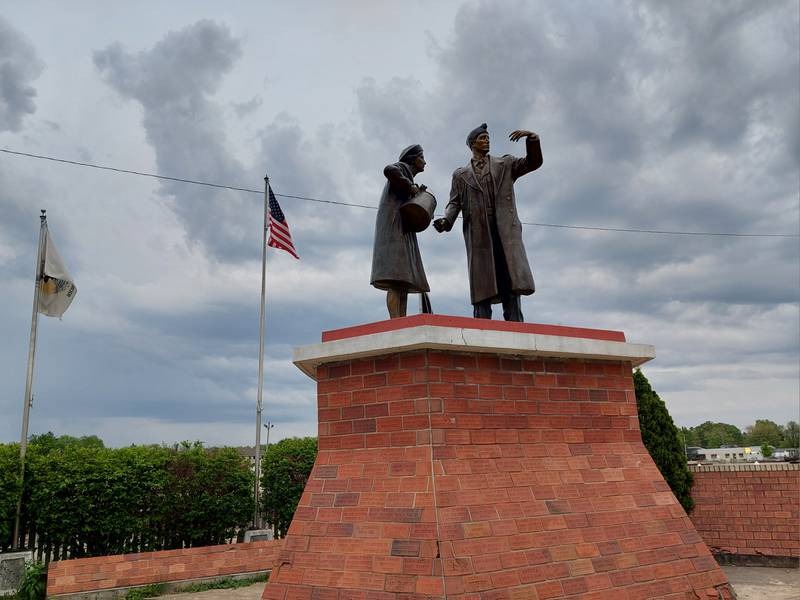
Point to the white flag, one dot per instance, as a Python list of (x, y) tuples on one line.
[(57, 289)]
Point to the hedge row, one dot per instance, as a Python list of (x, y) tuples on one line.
[(93, 501)]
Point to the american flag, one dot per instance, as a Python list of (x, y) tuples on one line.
[(279, 236)]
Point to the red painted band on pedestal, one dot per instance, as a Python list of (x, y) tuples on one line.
[(470, 323)]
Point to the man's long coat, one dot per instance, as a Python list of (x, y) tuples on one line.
[(467, 197)]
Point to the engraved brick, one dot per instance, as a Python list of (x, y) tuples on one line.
[(326, 471), (405, 548)]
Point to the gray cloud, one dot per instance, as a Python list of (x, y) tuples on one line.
[(610, 88), (658, 116), (174, 82), (242, 109), (19, 66), (730, 70)]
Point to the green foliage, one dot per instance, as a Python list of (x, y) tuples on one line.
[(82, 499), (662, 440), (34, 583), (9, 491), (766, 450), (790, 435), (285, 469), (46, 442), (227, 583), (88, 501), (764, 431), (713, 435), (210, 495), (149, 591)]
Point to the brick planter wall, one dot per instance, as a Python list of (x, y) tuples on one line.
[(130, 570), (478, 476), (749, 511)]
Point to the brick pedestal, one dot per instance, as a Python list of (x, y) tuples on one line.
[(468, 459)]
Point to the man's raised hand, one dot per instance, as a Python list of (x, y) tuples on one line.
[(517, 135)]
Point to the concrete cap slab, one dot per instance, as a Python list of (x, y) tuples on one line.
[(441, 332)]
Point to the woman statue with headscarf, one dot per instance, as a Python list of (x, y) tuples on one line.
[(396, 261)]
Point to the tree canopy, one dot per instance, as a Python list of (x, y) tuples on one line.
[(713, 435), (285, 469), (662, 440), (720, 435), (764, 431)]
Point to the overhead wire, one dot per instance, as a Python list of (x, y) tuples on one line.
[(355, 205)]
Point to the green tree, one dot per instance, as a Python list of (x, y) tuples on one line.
[(690, 436), (47, 442), (717, 435), (790, 435), (766, 450), (662, 440), (210, 495), (285, 470), (764, 431)]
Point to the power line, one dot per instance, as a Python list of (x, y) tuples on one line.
[(351, 204)]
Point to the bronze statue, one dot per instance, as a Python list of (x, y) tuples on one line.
[(396, 261), (483, 191)]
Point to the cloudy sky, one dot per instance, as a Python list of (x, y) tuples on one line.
[(678, 116)]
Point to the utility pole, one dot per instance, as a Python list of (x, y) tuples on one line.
[(685, 449), (268, 425)]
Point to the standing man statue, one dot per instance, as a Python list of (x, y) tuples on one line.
[(396, 261), (483, 191)]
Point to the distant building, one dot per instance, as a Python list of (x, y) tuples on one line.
[(786, 453), (249, 453), (742, 454), (693, 453)]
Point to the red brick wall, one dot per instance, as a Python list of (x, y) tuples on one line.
[(748, 509), (129, 570), (485, 477)]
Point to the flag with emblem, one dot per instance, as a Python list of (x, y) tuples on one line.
[(57, 289), (279, 235)]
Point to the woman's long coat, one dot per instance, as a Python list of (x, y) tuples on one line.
[(396, 261), (467, 197)]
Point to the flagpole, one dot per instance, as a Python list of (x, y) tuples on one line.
[(256, 516), (26, 406)]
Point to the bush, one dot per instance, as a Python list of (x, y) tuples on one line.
[(661, 438), (210, 496), (34, 583), (285, 470), (86, 500), (9, 492), (97, 501)]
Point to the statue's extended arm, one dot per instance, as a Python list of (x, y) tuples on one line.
[(533, 153), (452, 209)]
